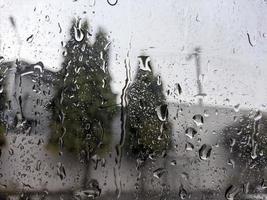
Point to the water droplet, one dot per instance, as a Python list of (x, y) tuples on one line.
[(1, 89), (38, 165), (214, 133), (254, 151), (144, 63), (60, 29), (205, 152), (232, 163), (91, 3), (93, 191), (232, 142), (263, 184), (29, 39), (11, 151), (206, 114), (64, 53), (63, 44), (159, 172), (249, 40), (39, 66), (78, 33), (190, 132), (179, 88), (189, 146), (162, 112), (182, 192), (2, 59), (258, 116), (47, 18), (159, 80), (237, 107), (104, 83), (112, 2), (246, 188), (173, 162), (198, 119), (185, 176), (61, 171), (231, 192)]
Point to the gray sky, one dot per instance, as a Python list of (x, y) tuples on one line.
[(233, 70)]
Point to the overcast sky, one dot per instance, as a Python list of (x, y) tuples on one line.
[(234, 68)]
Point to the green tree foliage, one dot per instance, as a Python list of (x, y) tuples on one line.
[(84, 104), (146, 124)]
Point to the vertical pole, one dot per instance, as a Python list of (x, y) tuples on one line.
[(196, 55)]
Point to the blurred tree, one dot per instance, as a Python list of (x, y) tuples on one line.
[(246, 142), (3, 100), (84, 104), (148, 130)]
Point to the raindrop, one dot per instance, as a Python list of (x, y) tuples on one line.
[(182, 192), (60, 29), (63, 44), (185, 176), (91, 192), (12, 21), (246, 188), (205, 151), (112, 3), (26, 73), (91, 3), (38, 165), (2, 59), (159, 172), (61, 171), (39, 66), (64, 53), (179, 88), (11, 151), (198, 119), (206, 114), (263, 184), (254, 151), (144, 63), (232, 163), (189, 146), (159, 80), (173, 162), (258, 116), (232, 142), (47, 18), (249, 40), (78, 33), (4, 186), (214, 133), (190, 132), (231, 192), (29, 39), (104, 83), (237, 107), (162, 112)]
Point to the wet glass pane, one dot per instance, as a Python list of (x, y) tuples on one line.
[(121, 99)]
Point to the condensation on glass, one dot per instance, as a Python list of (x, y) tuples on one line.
[(117, 99)]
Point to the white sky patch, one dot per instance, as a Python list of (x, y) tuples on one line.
[(233, 71)]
